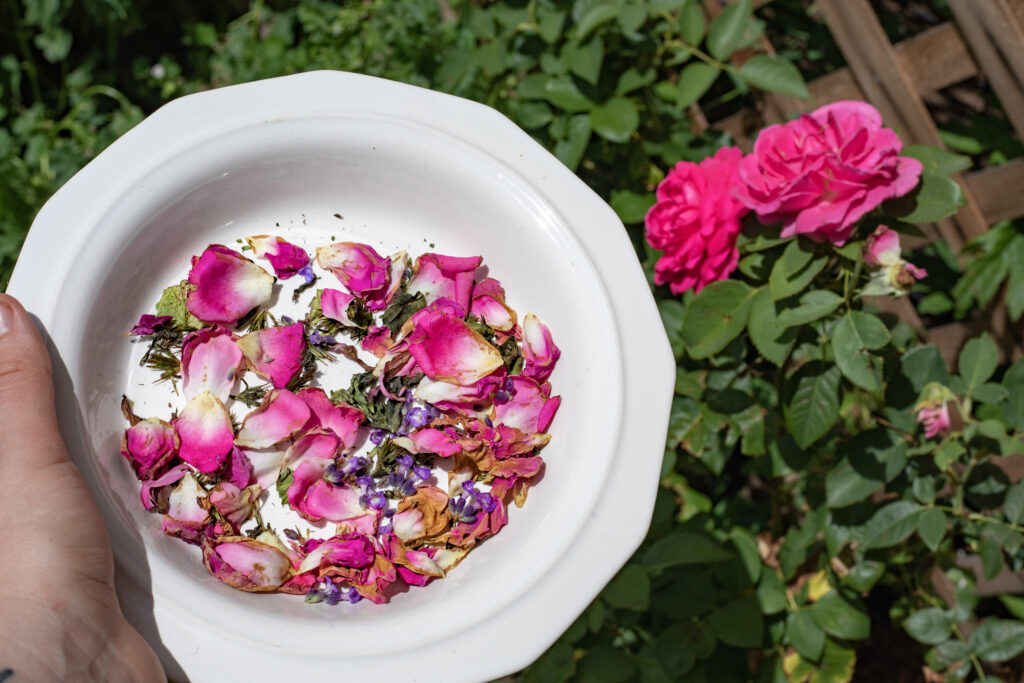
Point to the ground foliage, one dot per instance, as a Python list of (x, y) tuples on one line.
[(803, 518)]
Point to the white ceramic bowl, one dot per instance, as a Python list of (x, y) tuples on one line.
[(405, 167)]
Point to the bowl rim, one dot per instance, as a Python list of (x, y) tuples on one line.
[(627, 497)]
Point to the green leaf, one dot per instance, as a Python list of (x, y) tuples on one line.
[(694, 80), (872, 459), (549, 23), (1014, 604), (685, 416), (684, 548), (936, 197), (773, 341), (554, 666), (991, 555), (716, 316), (997, 640), (990, 392), (595, 616), (814, 406), (930, 626), (1015, 281), (630, 589), (837, 664), (839, 618), (774, 74), (738, 623), (631, 18), (853, 338), (729, 28), (977, 361), (692, 22), (632, 79), (284, 481), (936, 159), (924, 364), (746, 546), (1013, 380), (864, 575), (891, 524), (931, 528), (570, 150), (173, 302), (616, 120), (814, 305), (605, 664), (630, 206), (585, 60), (1013, 508), (672, 315), (771, 592), (794, 271), (595, 15), (804, 634), (563, 93)]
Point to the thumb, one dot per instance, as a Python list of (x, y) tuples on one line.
[(28, 420)]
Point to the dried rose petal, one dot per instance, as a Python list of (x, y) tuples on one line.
[(380, 301), (148, 324), (489, 305), (285, 258), (227, 285), (431, 440), (424, 514), (447, 349), (530, 409), (320, 444), (149, 446), (205, 431), (473, 399), (359, 267), (240, 471), (349, 550), (377, 340), (169, 477), (235, 504), (281, 415), (275, 353), (340, 418), (186, 516), (334, 304), (316, 499), (209, 362), (246, 564), (444, 277), (539, 350), (266, 465)]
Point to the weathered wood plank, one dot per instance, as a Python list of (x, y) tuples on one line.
[(998, 190)]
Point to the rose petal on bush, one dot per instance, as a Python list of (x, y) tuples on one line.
[(169, 477), (447, 349), (148, 324), (530, 409), (227, 285), (446, 277), (359, 267), (233, 503), (285, 258), (340, 418), (275, 353), (149, 446), (281, 415), (209, 362), (489, 305), (205, 432), (246, 564)]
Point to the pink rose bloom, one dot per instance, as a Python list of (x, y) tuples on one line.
[(821, 173), (695, 222)]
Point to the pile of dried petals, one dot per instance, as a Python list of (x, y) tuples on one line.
[(456, 409)]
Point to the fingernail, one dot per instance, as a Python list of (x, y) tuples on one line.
[(6, 317)]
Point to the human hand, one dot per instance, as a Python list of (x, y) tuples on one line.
[(59, 616)]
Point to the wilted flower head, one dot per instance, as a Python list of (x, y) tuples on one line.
[(933, 410), (890, 273)]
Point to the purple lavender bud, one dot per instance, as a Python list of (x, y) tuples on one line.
[(352, 464), (353, 595), (365, 480), (405, 461), (422, 472), (501, 396), (378, 500), (377, 435), (313, 597), (486, 501), (364, 500), (487, 421), (417, 417), (467, 486), (395, 479), (470, 511), (334, 475), (386, 529), (456, 505), (306, 272), (389, 513), (292, 534), (286, 320), (510, 386), (408, 488)]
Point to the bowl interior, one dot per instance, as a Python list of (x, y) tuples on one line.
[(396, 185)]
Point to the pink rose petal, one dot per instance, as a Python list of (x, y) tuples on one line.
[(377, 340), (148, 324), (320, 444), (360, 268), (539, 350), (447, 349), (235, 504), (186, 516), (149, 446), (275, 353), (474, 399), (285, 258), (489, 305), (209, 362), (227, 285), (246, 564), (530, 409), (334, 304), (205, 431), (340, 418), (281, 415), (445, 277), (316, 499), (431, 440), (350, 550)]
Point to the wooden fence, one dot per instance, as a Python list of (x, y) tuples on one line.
[(987, 39)]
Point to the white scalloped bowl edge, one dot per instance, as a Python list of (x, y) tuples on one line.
[(406, 167)]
